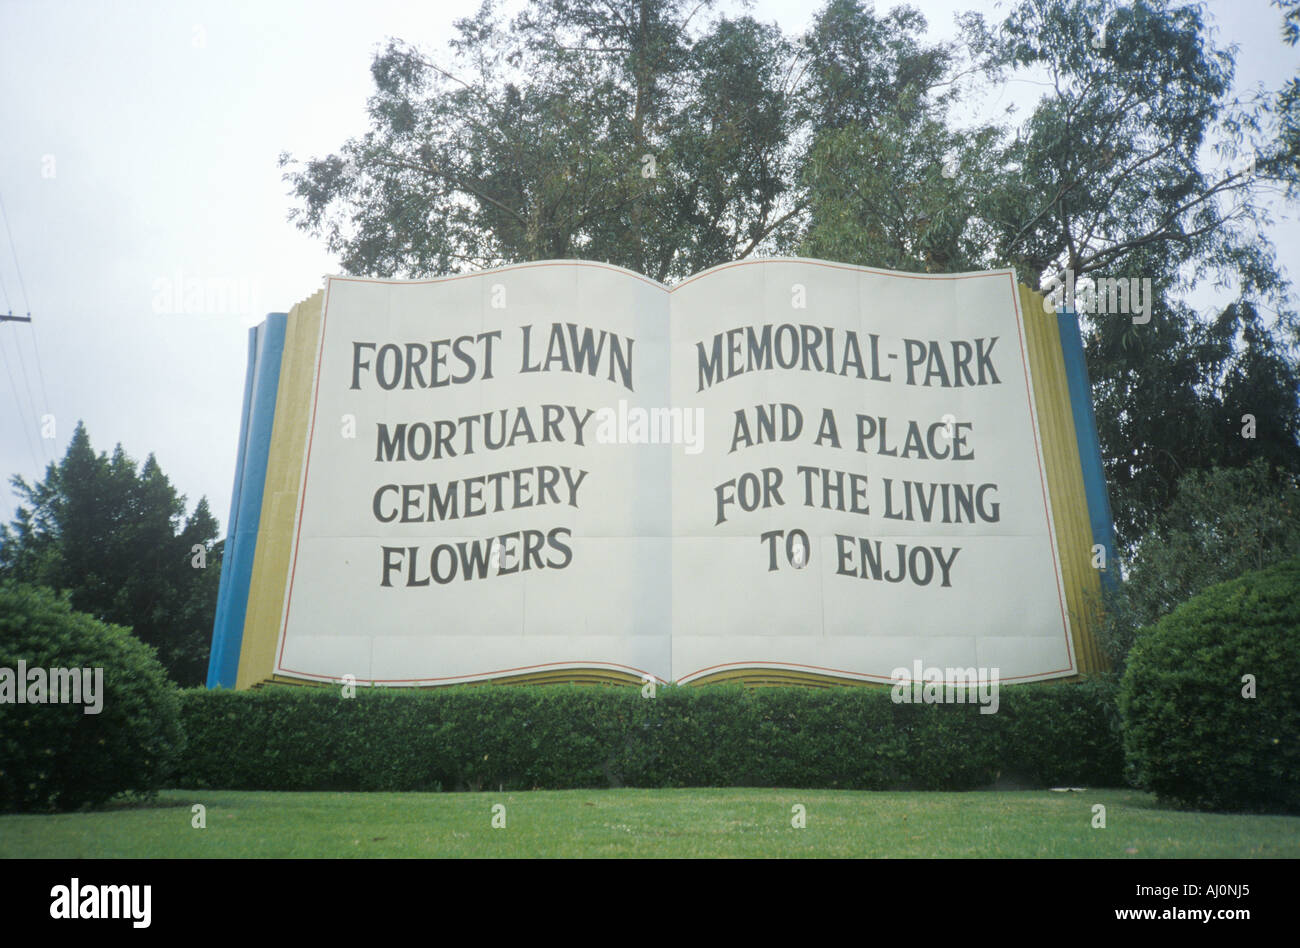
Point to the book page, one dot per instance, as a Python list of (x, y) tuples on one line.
[(870, 477), (470, 507)]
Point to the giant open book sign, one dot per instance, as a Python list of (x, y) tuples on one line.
[(777, 470)]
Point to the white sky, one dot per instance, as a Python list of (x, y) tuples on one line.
[(161, 123)]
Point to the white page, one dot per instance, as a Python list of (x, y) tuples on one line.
[(607, 607), (731, 611)]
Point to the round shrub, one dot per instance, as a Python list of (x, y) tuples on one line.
[(56, 756), (1191, 733)]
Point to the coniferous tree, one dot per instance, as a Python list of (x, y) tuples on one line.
[(116, 539)]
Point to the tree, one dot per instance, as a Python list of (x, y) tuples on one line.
[(1288, 98), (117, 540), (1142, 164), (629, 131), (888, 178), (1222, 523), (620, 133)]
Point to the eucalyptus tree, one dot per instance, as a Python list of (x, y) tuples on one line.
[(1141, 162), (638, 132), (659, 135), (115, 538)]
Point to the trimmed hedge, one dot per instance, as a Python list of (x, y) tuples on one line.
[(560, 737), (1190, 733), (58, 757)]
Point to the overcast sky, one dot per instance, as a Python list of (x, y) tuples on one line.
[(138, 147)]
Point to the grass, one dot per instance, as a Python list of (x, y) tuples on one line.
[(649, 823)]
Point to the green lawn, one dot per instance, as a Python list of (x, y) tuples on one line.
[(650, 823)]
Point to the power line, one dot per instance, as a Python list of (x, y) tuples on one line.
[(13, 250), (31, 401), (4, 291), (22, 420), (40, 373), (22, 363)]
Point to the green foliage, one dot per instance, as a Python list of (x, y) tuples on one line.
[(1221, 524), (56, 756), (532, 143), (1064, 734), (906, 205), (1287, 105), (561, 737), (887, 179), (1190, 732), (118, 541), (1171, 397)]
